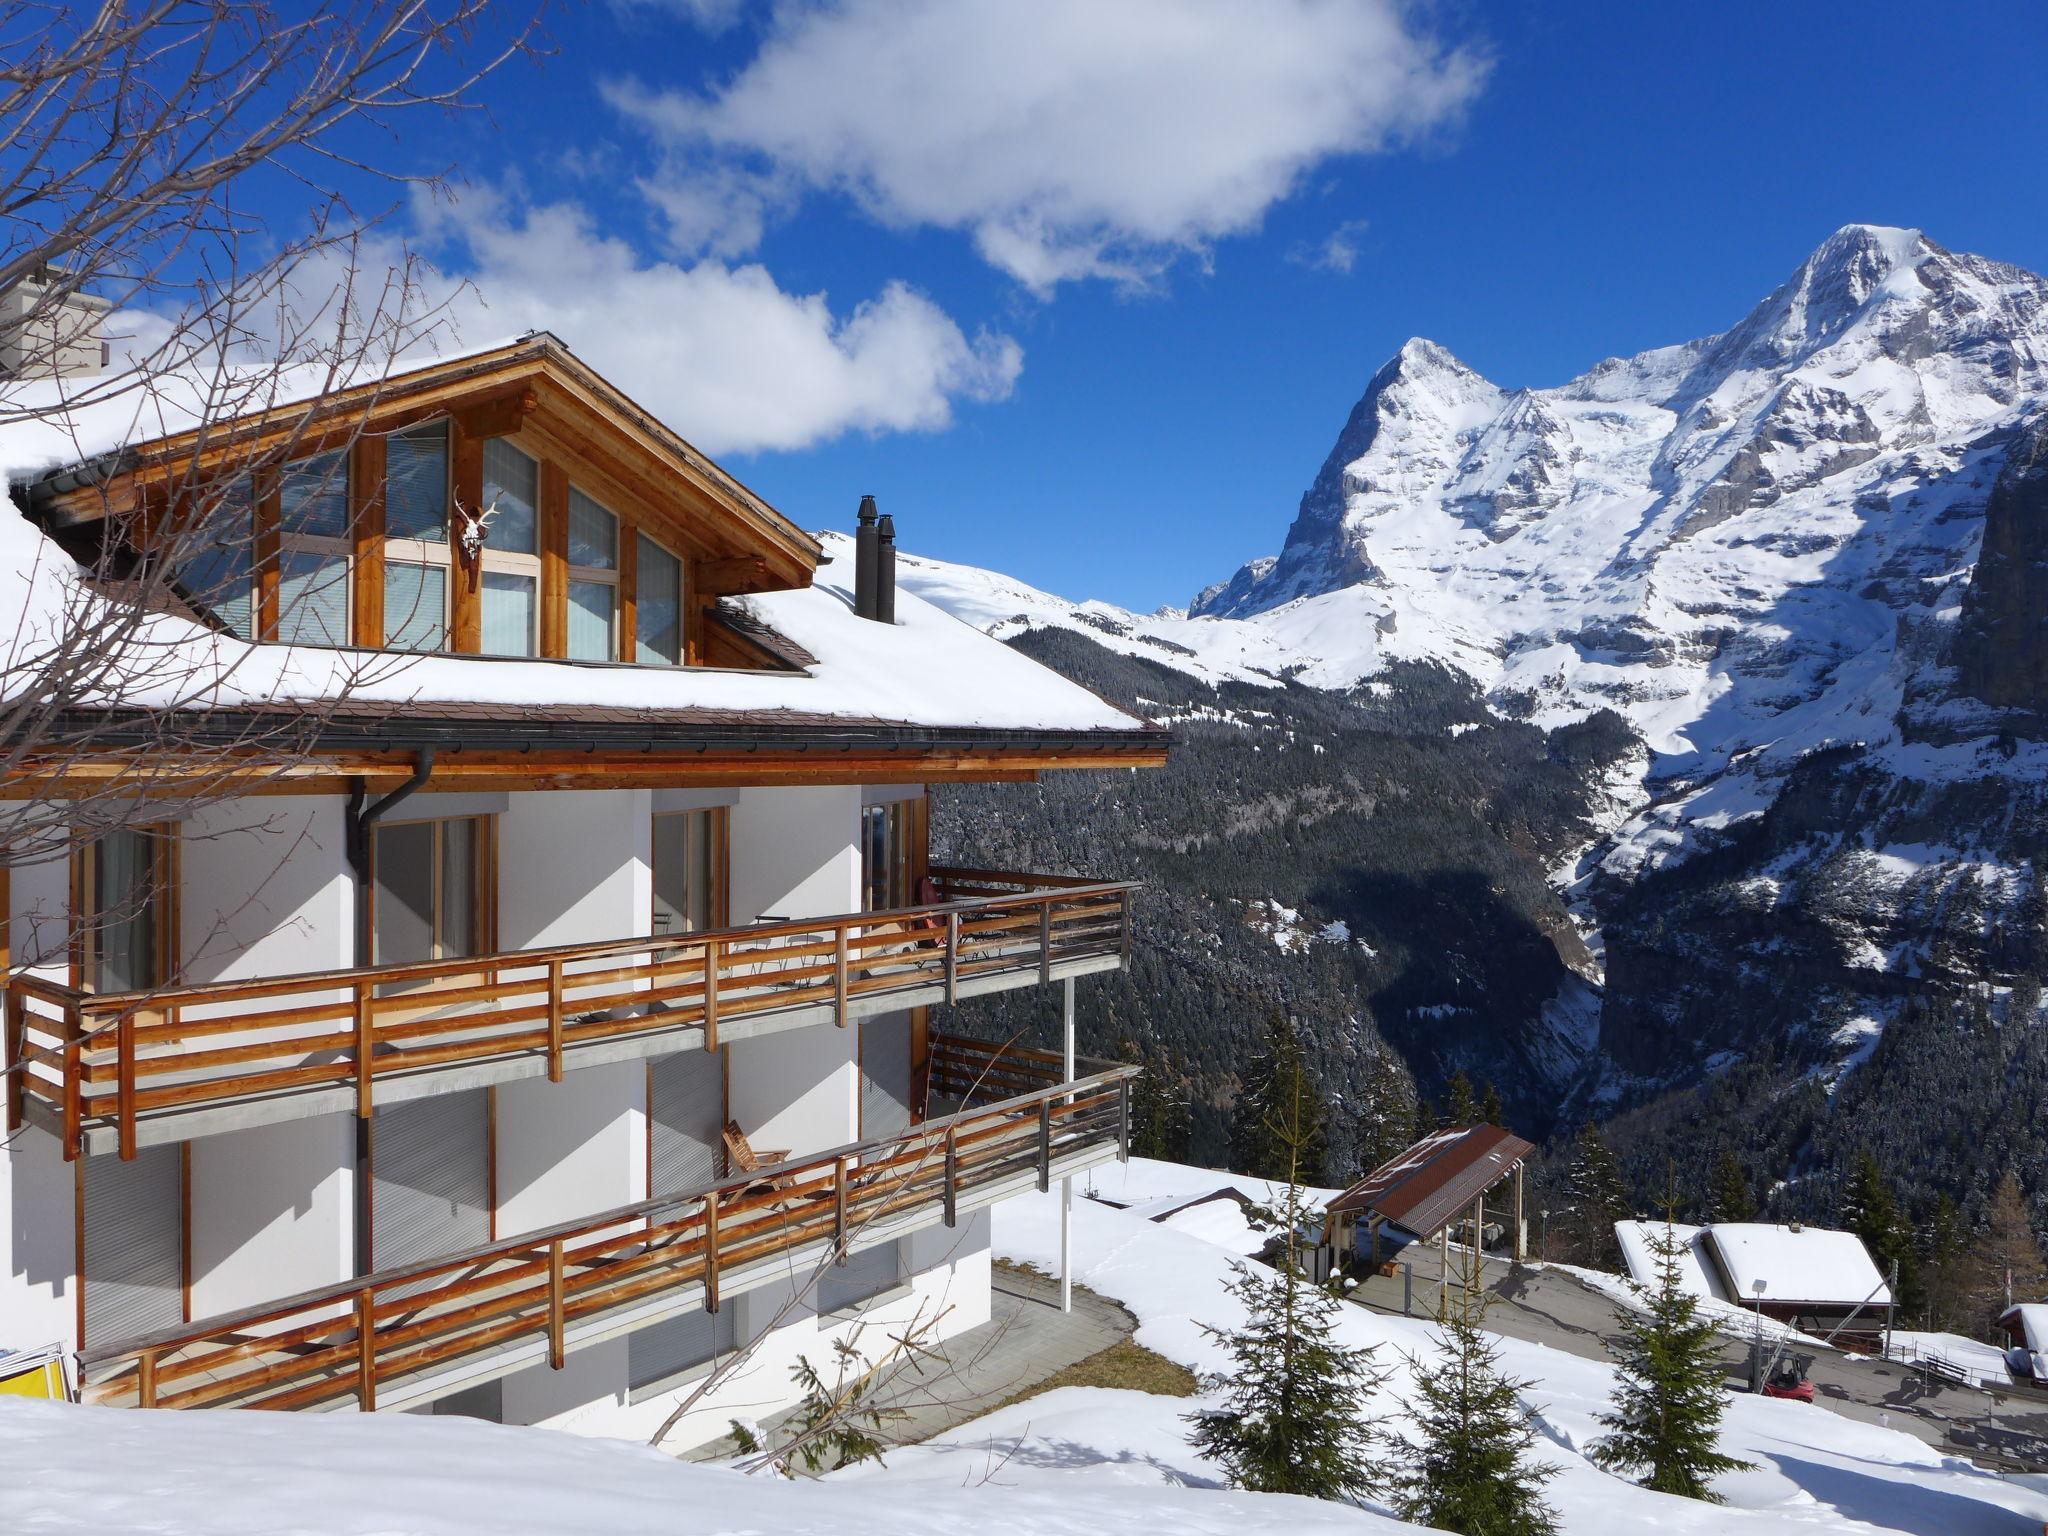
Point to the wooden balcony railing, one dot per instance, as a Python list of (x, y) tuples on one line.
[(414, 1333), (119, 1069)]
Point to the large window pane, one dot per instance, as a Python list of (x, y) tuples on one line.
[(685, 897), (460, 867), (405, 894), (593, 533), (312, 599), (415, 607), (122, 925), (512, 485), (215, 565), (509, 605), (416, 485), (312, 497), (658, 600), (590, 620)]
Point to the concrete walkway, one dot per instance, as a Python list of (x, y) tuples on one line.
[(2008, 1430), (1027, 1341)]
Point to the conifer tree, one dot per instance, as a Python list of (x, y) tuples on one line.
[(1947, 1245), (1160, 1124), (1733, 1199), (1280, 1078), (1598, 1198), (1294, 1412), (1466, 1467), (1461, 1107), (2009, 1267), (1871, 1211), (1665, 1424), (1491, 1110)]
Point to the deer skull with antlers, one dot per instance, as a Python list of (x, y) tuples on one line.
[(475, 526)]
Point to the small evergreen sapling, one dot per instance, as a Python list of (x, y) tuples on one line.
[(1293, 1416), (1467, 1468), (1667, 1412)]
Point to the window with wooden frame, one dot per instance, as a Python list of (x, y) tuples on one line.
[(888, 855), (690, 859), (315, 550), (431, 890), (216, 560), (416, 564), (511, 551), (593, 580), (657, 606), (124, 900)]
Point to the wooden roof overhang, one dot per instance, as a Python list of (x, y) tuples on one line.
[(1426, 1187), (492, 747), (534, 389)]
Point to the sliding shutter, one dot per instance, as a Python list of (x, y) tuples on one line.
[(884, 1076), (657, 1355), (134, 1259), (686, 1119), (863, 1276), (430, 1178)]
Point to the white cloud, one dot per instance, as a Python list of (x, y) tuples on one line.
[(1068, 138), (721, 353), (1335, 252)]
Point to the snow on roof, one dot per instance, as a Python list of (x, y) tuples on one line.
[(928, 669), (1695, 1274), (2032, 1317), (1796, 1264)]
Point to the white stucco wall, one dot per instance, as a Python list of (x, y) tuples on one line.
[(273, 1212), (266, 888), (570, 1149), (573, 868), (38, 1241), (39, 915)]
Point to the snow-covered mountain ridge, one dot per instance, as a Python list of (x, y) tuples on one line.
[(1753, 545)]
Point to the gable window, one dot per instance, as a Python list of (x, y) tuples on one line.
[(431, 887), (313, 551), (658, 606), (689, 871), (593, 580), (416, 539), (125, 901), (216, 562), (511, 552)]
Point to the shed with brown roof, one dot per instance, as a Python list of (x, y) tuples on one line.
[(1424, 1189)]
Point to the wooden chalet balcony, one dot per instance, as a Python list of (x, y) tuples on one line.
[(112, 1071), (406, 1336)]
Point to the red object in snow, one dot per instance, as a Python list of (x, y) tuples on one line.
[(1786, 1385)]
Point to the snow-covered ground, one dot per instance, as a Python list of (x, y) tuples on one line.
[(1080, 1459)]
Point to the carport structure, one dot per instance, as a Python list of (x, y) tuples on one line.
[(1424, 1190)]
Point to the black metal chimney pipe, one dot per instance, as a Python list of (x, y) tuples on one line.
[(885, 571), (864, 560)]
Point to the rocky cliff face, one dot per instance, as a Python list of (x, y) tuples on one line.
[(2001, 645)]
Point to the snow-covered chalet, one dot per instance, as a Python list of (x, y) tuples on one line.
[(554, 1020)]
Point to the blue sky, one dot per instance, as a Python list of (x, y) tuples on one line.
[(1107, 362)]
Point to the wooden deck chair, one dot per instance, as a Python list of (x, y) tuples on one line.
[(741, 1157)]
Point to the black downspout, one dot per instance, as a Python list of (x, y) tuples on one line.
[(359, 824), (864, 560), (885, 572)]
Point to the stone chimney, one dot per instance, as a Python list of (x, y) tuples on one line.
[(49, 333)]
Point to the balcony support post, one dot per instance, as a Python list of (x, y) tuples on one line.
[(1045, 944), (838, 1210), (10, 1059), (366, 1350), (840, 967), (74, 1088), (555, 1021), (366, 1048), (1067, 1183), (124, 1079), (145, 1379), (711, 957), (952, 957), (1044, 1145), (711, 1252), (556, 1353), (952, 1174)]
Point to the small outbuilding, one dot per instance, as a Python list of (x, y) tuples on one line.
[(2026, 1325), (1811, 1278), (1422, 1192)]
